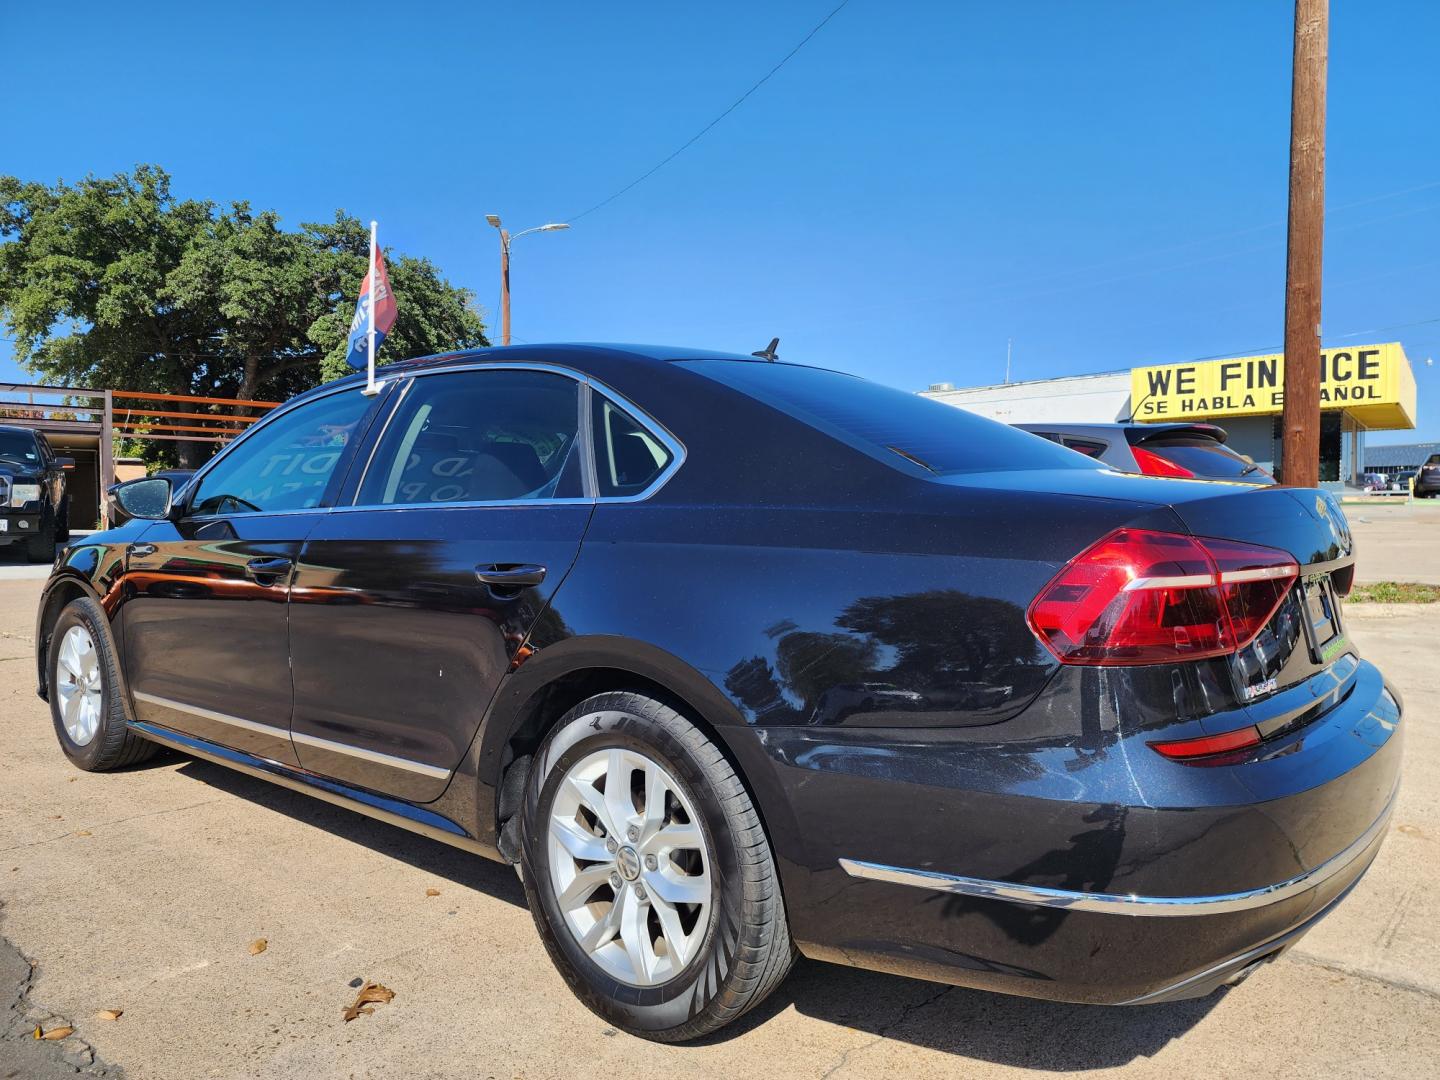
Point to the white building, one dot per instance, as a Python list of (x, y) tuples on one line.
[(1079, 399)]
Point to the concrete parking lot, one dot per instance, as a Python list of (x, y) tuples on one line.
[(144, 890), (1396, 541)]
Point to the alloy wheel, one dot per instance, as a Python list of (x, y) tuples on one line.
[(80, 685), (629, 866)]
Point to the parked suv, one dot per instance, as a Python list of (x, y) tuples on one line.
[(1427, 480), (736, 659), (34, 503), (1191, 451)]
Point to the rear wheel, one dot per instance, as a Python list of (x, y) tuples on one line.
[(649, 875), (84, 691)]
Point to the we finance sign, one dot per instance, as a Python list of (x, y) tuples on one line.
[(1373, 382)]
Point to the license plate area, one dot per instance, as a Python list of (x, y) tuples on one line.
[(1321, 621)]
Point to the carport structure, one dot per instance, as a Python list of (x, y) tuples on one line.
[(84, 424)]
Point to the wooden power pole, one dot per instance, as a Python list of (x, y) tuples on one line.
[(504, 287), (1300, 425)]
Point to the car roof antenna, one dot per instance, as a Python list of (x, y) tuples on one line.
[(768, 353)]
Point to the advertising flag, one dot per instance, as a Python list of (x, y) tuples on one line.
[(384, 313)]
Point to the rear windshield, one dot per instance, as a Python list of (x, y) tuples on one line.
[(890, 424), (1206, 458)]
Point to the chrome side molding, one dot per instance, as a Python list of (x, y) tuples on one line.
[(394, 811), (1117, 904), (433, 771)]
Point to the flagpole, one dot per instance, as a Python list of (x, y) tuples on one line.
[(370, 388)]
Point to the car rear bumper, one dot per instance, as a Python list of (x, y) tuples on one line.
[(1133, 953), (1083, 875)]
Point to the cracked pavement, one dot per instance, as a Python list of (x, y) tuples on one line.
[(143, 890)]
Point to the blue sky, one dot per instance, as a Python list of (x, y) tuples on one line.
[(1105, 183)]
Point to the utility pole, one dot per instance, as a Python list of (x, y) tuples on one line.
[(1300, 423), (494, 221), (504, 287)]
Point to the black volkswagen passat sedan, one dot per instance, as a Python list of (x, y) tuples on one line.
[(738, 659)]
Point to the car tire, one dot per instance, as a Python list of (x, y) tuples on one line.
[(83, 681), (656, 964), (41, 546), (62, 522)]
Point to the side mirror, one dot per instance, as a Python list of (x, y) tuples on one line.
[(147, 498), (64, 462)]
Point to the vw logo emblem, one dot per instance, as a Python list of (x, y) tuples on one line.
[(628, 863)]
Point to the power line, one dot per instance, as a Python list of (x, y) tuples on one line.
[(701, 133)]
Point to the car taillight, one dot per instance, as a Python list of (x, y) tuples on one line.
[(1152, 464), (1142, 597)]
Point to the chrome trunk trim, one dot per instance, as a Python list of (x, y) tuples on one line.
[(1115, 904)]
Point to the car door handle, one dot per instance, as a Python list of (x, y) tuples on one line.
[(271, 568), (511, 575), (141, 549)]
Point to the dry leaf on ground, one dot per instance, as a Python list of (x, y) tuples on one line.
[(432, 892), (110, 1014), (55, 1033), (370, 993), (83, 832), (258, 946)]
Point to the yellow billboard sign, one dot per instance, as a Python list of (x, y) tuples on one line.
[(1373, 383)]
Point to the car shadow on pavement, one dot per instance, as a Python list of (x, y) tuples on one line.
[(966, 1023), (989, 1027), (433, 857)]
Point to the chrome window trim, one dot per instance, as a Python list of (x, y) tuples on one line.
[(375, 508), (433, 771), (1113, 904), (674, 445), (586, 385)]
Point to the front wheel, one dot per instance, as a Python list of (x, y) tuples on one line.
[(648, 872), (84, 692)]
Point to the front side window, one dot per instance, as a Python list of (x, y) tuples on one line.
[(628, 456), (287, 463), (477, 436)]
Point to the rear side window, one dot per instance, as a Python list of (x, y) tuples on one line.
[(475, 436), (889, 424), (1205, 458), (629, 457)]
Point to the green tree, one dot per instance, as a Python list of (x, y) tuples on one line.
[(114, 282)]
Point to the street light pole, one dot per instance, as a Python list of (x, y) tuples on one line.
[(505, 241)]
